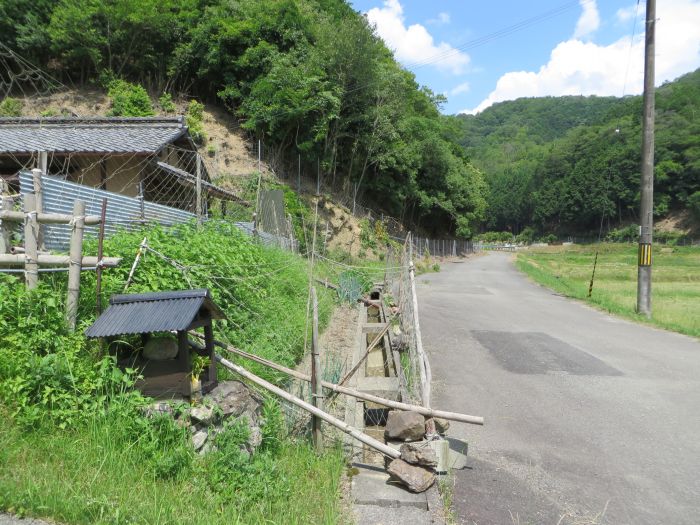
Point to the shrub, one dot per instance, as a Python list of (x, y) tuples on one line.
[(527, 236), (166, 103), (48, 372), (194, 119), (11, 107), (626, 234), (128, 100), (549, 239)]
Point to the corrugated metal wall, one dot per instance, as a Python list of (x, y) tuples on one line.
[(122, 212)]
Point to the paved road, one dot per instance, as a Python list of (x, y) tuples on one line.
[(590, 419)]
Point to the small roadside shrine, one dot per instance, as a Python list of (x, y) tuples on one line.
[(169, 362)]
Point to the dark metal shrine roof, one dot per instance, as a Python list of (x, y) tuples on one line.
[(153, 312), (89, 135)]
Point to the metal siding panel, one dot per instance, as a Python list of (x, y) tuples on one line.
[(145, 317), (122, 212)]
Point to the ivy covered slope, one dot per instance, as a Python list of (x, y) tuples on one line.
[(76, 446), (559, 164), (309, 77)]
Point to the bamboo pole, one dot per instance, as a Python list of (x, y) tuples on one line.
[(198, 188), (46, 218), (5, 227), (39, 195), (342, 425), (44, 259), (139, 253), (100, 254), (427, 412), (31, 232), (75, 263), (316, 388)]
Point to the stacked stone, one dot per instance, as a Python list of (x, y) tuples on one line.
[(228, 403), (416, 467)]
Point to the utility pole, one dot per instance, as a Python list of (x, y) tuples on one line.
[(647, 184)]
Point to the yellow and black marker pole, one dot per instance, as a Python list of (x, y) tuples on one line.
[(644, 254)]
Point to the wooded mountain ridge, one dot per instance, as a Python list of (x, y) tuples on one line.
[(564, 164)]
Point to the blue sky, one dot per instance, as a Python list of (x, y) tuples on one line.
[(584, 48)]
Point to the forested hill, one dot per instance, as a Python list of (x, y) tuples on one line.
[(559, 164), (309, 77)]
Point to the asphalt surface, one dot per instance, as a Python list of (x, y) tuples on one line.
[(590, 419)]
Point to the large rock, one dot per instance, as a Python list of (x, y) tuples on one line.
[(416, 479), (202, 414), (234, 399), (404, 426), (199, 439), (160, 348), (419, 454), (441, 425)]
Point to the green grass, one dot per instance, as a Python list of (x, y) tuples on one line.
[(75, 447), (675, 280), (94, 475)]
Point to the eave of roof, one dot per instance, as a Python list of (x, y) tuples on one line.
[(96, 135), (153, 312)]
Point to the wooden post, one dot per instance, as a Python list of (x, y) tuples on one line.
[(100, 253), (316, 388), (75, 263), (39, 197), (198, 204), (209, 346), (5, 225), (31, 233)]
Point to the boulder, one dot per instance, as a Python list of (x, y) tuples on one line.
[(160, 348), (404, 426), (199, 439), (234, 398), (416, 479), (202, 414), (419, 454)]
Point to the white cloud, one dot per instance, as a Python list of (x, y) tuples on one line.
[(589, 21), (461, 88), (441, 19), (585, 68), (625, 14), (414, 44)]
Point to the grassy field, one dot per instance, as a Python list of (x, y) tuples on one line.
[(675, 288)]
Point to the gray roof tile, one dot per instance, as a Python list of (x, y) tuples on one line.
[(89, 135)]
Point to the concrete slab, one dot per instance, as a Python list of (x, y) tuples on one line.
[(378, 384), (372, 487), (373, 327), (374, 515)]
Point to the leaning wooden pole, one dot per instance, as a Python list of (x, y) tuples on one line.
[(342, 425), (427, 412), (75, 263), (316, 388), (100, 253)]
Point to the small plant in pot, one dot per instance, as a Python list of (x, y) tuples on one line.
[(199, 364)]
